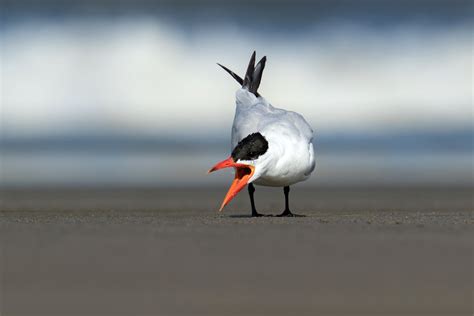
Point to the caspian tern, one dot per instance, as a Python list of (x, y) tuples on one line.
[(270, 146)]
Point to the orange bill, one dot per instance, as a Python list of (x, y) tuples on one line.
[(243, 173)]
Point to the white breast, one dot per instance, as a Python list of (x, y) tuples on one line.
[(290, 152)]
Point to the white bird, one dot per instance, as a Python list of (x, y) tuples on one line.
[(270, 146)]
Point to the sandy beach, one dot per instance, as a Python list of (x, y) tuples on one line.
[(366, 251)]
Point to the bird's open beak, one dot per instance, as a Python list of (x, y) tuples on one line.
[(243, 173)]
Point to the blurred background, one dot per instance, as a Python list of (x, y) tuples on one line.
[(127, 93)]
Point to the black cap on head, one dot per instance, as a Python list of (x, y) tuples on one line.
[(250, 148)]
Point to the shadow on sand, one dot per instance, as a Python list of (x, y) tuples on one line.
[(265, 215), (250, 216)]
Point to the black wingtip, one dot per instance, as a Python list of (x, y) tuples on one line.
[(250, 69), (253, 75), (256, 77), (233, 74), (262, 62)]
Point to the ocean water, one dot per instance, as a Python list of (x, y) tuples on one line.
[(181, 166), (112, 71)]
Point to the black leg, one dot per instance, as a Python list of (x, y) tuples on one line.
[(287, 211), (252, 202)]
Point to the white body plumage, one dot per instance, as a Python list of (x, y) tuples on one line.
[(290, 155)]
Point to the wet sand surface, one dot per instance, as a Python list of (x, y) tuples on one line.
[(168, 252)]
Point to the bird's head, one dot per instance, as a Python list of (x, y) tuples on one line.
[(248, 160)]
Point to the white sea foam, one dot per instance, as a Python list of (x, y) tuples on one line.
[(142, 75)]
